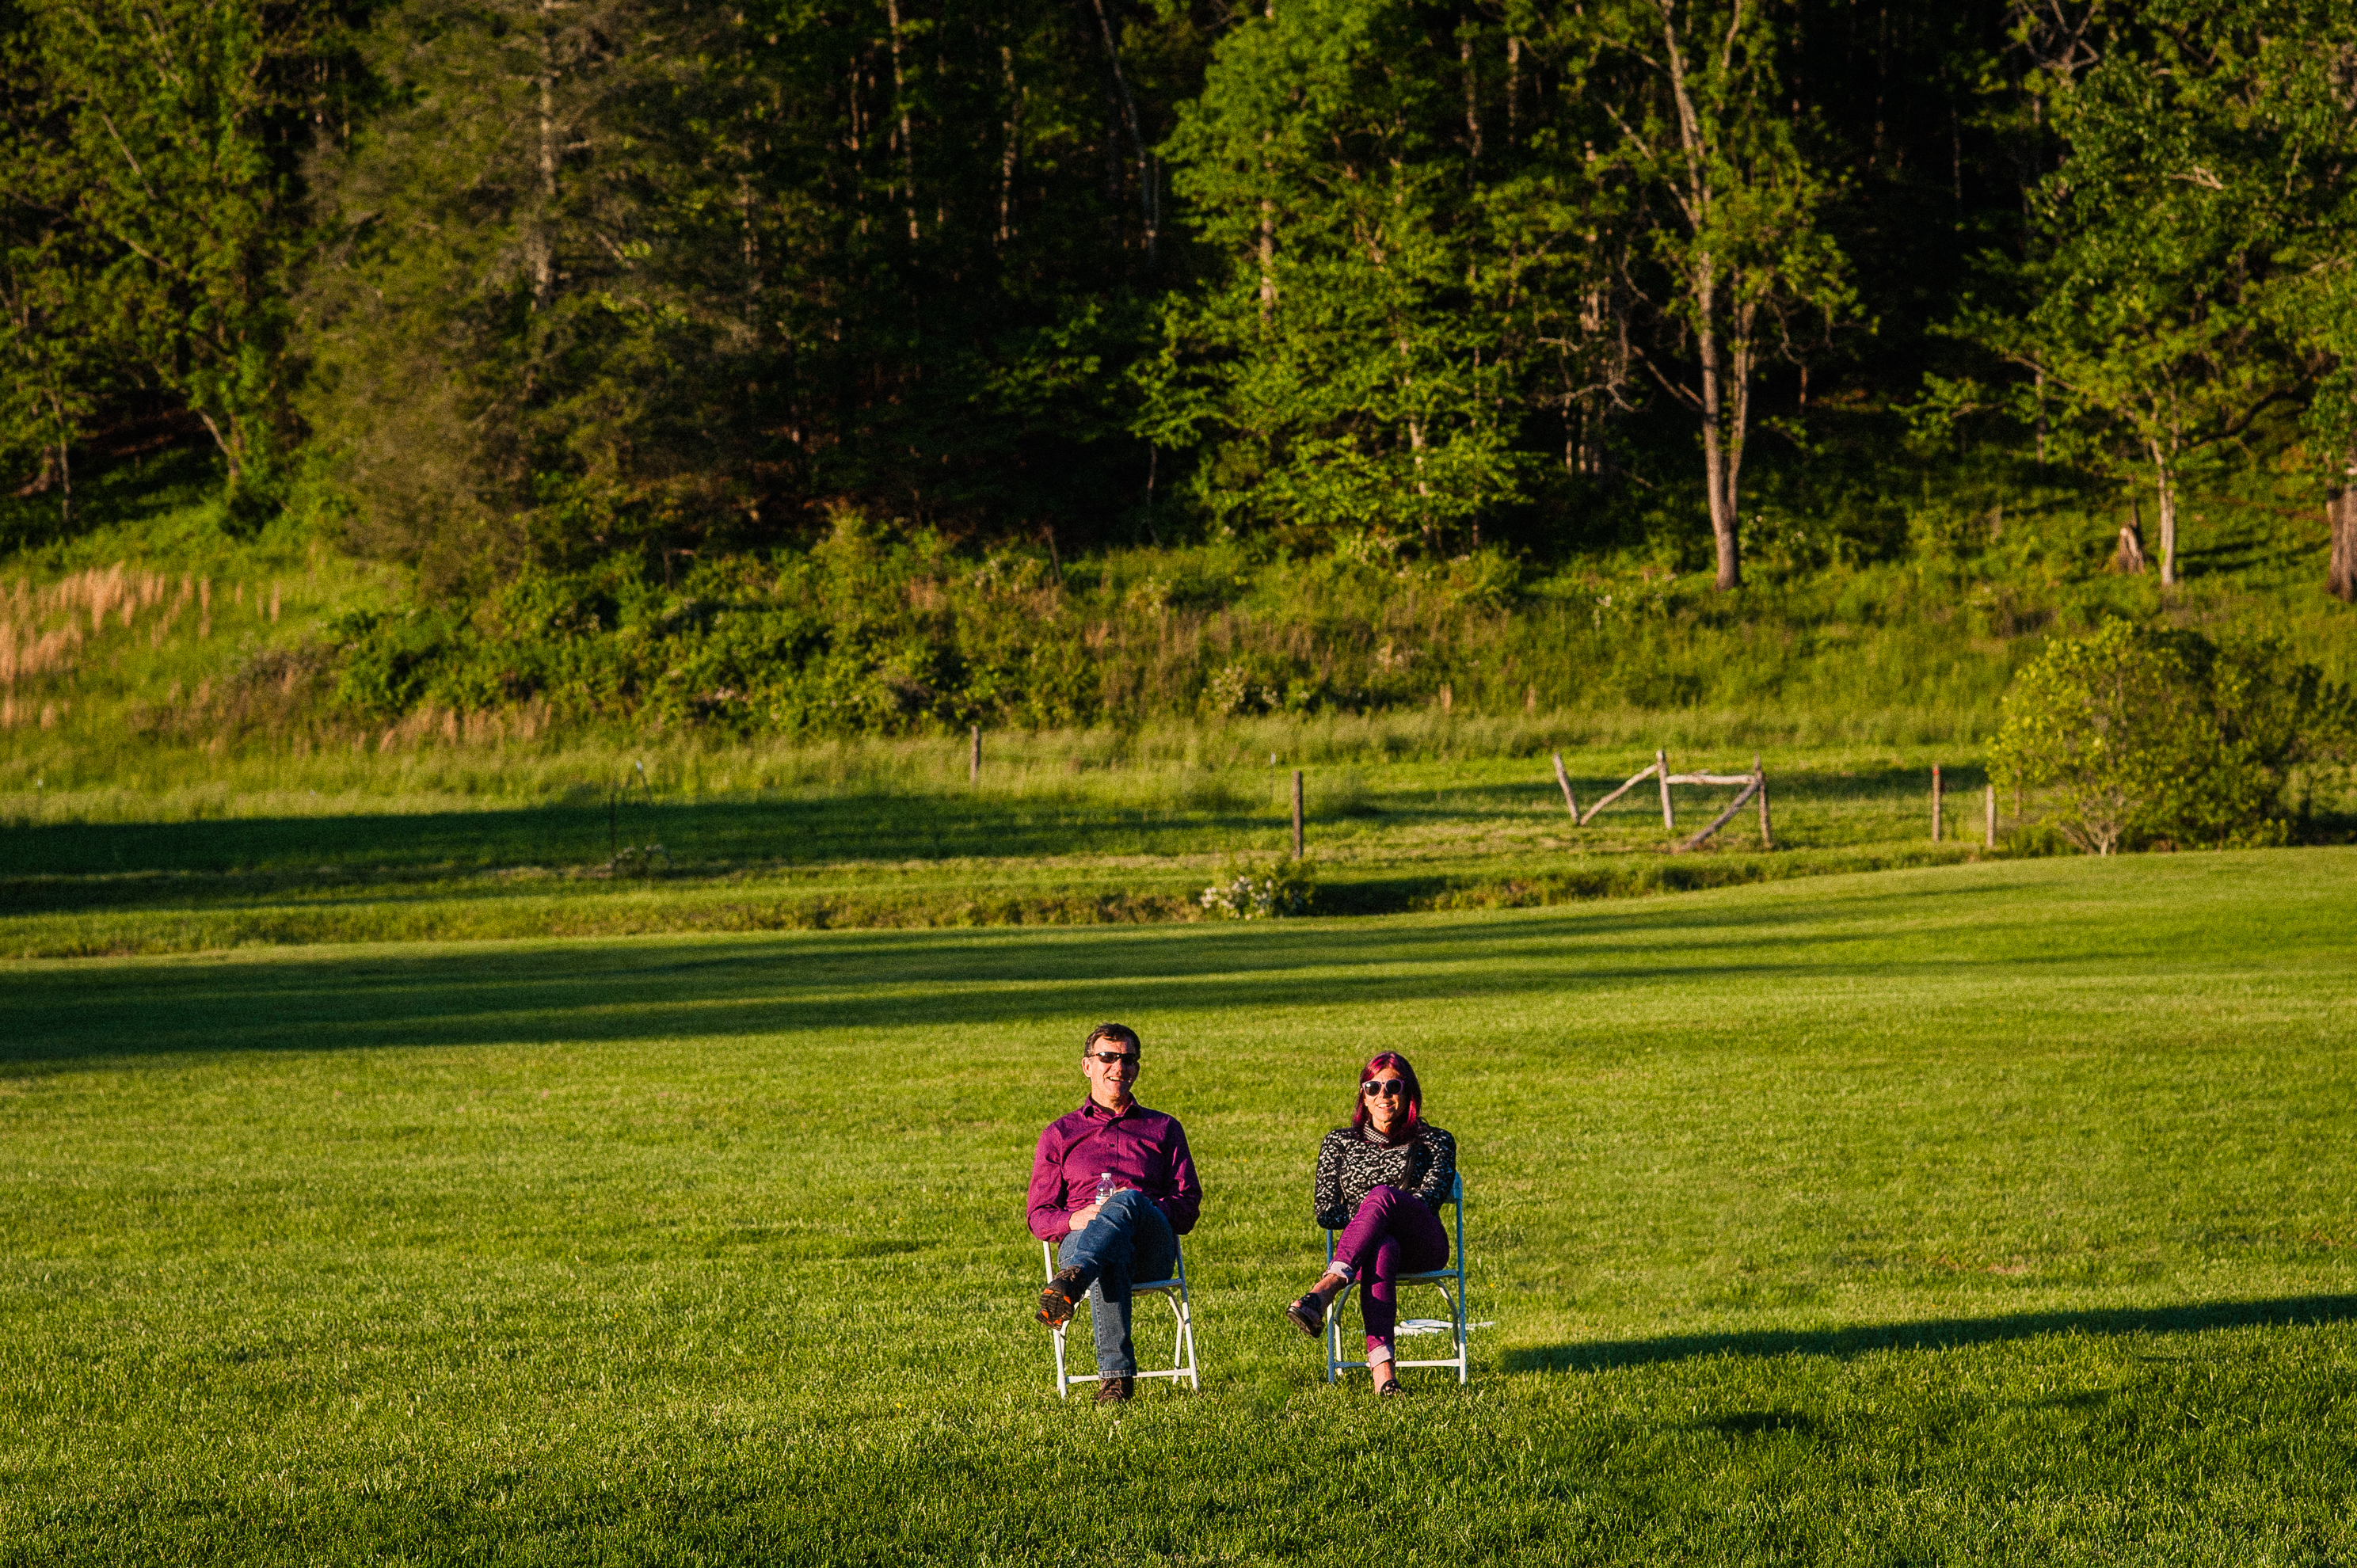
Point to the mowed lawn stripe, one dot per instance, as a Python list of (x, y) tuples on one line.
[(1869, 931)]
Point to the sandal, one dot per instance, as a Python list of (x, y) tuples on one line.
[(1388, 1390), (1308, 1315)]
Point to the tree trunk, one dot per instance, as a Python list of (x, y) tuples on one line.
[(1717, 473), (1472, 98), (2129, 556), (1013, 128), (2340, 507), (1267, 216), (1702, 279), (2165, 476), (540, 247), (1137, 136), (858, 162), (900, 108), (1513, 85), (1267, 256)]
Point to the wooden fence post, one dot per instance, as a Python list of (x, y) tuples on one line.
[(1936, 802), (1296, 813), (1765, 840), (1992, 816), (974, 758), (1569, 804), (1662, 772)]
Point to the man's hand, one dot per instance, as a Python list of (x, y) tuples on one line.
[(1081, 1217)]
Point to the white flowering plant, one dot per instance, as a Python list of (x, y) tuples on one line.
[(1262, 890)]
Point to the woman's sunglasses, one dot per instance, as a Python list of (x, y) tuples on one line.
[(1387, 1087)]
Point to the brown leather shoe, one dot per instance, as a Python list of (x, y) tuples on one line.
[(1116, 1391), (1057, 1300)]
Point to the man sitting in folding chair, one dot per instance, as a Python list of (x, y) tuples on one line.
[(1113, 1182)]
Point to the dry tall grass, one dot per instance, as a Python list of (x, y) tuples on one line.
[(141, 645)]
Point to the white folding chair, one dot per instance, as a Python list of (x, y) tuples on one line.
[(1439, 1279), (1172, 1290)]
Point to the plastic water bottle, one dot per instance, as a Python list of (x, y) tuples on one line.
[(1107, 1184)]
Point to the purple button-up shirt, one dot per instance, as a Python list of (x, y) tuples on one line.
[(1142, 1149)]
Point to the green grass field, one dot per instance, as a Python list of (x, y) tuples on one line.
[(1978, 1213), (1035, 844), (1085, 834)]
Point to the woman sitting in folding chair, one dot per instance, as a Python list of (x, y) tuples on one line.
[(1381, 1182)]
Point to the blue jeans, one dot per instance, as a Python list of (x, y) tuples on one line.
[(1128, 1240)]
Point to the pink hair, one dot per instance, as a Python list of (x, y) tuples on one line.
[(1415, 1093)]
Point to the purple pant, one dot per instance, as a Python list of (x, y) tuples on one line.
[(1393, 1233)]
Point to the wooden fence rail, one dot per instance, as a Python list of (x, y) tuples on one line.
[(1749, 786), (1615, 794)]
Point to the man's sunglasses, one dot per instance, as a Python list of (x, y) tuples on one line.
[(1389, 1087), (1109, 1057)]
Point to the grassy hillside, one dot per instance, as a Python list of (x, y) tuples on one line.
[(1992, 1212), (161, 650), (196, 750)]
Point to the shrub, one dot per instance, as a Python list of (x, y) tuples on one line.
[(1262, 890), (386, 661), (2140, 736)]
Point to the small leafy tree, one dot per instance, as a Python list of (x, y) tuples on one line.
[(2137, 735), (2111, 726)]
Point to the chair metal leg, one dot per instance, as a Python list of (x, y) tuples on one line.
[(1333, 1336), (1184, 1362), (1456, 1321), (1182, 1355)]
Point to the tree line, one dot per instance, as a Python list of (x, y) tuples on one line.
[(489, 283)]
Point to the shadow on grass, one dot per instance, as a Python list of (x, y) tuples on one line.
[(866, 825), (1938, 1334), (850, 827), (791, 987)]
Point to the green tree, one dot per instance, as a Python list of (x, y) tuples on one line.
[(2143, 330), (2137, 735), (2285, 94), (150, 219), (1345, 368), (2113, 728), (49, 376), (519, 346), (1695, 117)]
